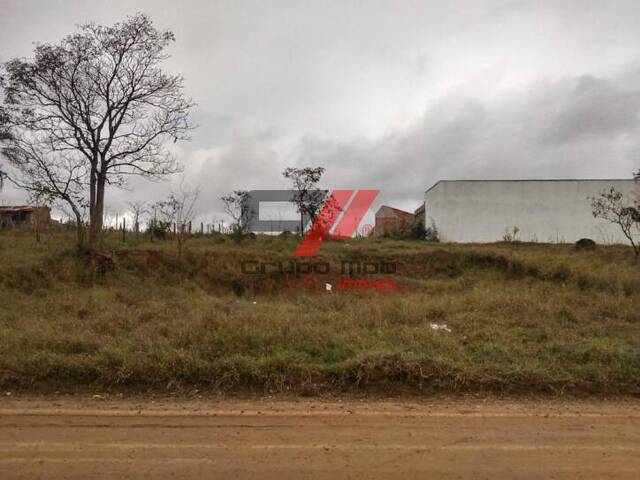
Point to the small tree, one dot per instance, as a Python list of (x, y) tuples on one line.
[(138, 209), (236, 205), (613, 207), (179, 209), (307, 197), (510, 234), (413, 229), (159, 225)]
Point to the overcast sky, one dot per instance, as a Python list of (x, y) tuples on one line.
[(392, 95)]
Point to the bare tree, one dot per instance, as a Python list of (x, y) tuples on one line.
[(613, 207), (138, 209), (236, 205), (307, 197), (179, 209), (99, 102)]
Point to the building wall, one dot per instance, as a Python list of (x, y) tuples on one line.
[(556, 211), (390, 220), (23, 218)]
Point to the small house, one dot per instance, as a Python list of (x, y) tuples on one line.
[(391, 221), (24, 217)]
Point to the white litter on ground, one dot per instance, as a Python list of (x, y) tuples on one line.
[(440, 326), (328, 287)]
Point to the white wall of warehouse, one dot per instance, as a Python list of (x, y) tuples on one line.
[(555, 211)]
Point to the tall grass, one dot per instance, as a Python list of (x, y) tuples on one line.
[(523, 318)]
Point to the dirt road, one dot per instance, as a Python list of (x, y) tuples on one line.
[(94, 438)]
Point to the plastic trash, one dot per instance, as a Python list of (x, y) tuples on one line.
[(440, 326)]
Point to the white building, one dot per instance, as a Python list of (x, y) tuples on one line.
[(556, 211)]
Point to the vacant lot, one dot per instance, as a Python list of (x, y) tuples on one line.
[(522, 318)]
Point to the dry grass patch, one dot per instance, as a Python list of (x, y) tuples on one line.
[(523, 318)]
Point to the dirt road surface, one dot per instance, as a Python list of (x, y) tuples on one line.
[(100, 438)]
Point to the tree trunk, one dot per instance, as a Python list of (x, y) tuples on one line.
[(92, 205), (79, 233), (80, 230), (97, 212), (79, 226)]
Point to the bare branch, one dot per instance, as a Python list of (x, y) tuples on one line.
[(612, 206), (98, 99)]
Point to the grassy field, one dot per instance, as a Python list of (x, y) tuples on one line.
[(523, 318)]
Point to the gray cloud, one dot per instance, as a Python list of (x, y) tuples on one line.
[(594, 107), (570, 127), (387, 95)]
